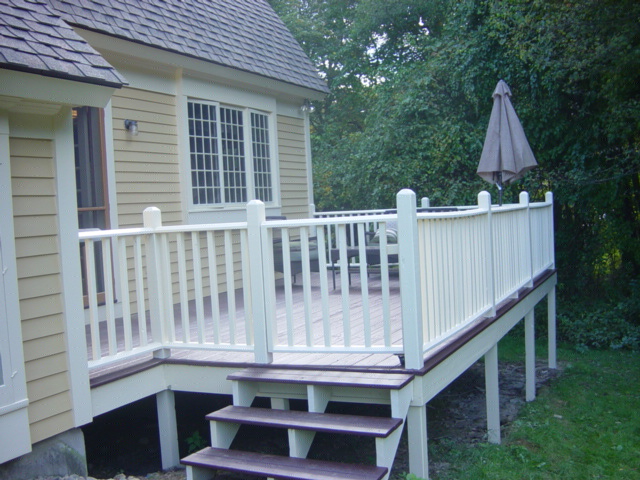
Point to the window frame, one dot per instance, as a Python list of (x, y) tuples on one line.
[(90, 159), (250, 184)]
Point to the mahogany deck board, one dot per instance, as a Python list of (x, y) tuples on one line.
[(366, 426), (285, 468)]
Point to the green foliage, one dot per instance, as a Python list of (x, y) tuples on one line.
[(195, 442), (410, 476), (614, 325), (411, 84)]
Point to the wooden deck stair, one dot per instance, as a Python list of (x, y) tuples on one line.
[(318, 387)]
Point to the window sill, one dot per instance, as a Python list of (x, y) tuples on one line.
[(225, 214)]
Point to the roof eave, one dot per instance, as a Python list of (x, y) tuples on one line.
[(324, 91), (63, 76)]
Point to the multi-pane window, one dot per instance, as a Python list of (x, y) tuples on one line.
[(203, 145), (233, 161), (228, 165), (261, 156)]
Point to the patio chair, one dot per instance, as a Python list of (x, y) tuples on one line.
[(295, 254)]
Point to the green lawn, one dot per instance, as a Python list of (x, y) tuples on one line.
[(584, 425)]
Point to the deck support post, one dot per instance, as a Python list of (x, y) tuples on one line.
[(530, 356), (410, 299), (551, 319), (168, 429), (417, 439), (492, 388), (551, 296)]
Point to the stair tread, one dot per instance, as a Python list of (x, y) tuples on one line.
[(390, 381), (380, 427), (279, 467)]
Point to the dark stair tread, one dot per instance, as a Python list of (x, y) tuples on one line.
[(319, 422), (390, 381), (282, 468)]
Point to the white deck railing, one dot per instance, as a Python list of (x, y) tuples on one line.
[(231, 286)]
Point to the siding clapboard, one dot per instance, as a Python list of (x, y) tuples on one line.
[(147, 166), (39, 287), (293, 167)]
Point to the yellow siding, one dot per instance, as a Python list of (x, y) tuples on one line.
[(146, 166), (45, 367), (293, 167), (39, 286), (50, 426)]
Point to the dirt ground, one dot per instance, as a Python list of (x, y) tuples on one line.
[(457, 414)]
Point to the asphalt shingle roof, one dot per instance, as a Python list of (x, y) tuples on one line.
[(33, 38), (242, 34)]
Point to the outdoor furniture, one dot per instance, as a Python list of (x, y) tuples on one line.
[(295, 260), (372, 250), (295, 254), (372, 247)]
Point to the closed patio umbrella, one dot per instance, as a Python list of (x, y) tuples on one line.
[(506, 154)]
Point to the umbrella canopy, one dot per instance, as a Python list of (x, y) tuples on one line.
[(506, 154)]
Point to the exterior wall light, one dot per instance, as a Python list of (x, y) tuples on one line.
[(131, 126), (307, 107)]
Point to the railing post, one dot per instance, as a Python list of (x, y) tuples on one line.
[(410, 288), (524, 200), (484, 203), (549, 199), (152, 218), (425, 202), (255, 218)]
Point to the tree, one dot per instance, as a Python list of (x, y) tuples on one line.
[(411, 85)]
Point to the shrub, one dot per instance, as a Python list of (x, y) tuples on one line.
[(612, 325)]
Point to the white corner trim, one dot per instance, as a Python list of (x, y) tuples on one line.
[(307, 152), (70, 269)]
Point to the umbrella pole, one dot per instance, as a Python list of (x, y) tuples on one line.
[(499, 184)]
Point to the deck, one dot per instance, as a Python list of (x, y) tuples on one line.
[(307, 292), (185, 307)]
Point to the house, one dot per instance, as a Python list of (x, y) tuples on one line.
[(157, 234), (107, 108)]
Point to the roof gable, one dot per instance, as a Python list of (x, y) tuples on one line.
[(34, 39), (242, 34)]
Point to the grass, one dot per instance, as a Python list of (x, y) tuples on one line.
[(584, 425)]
